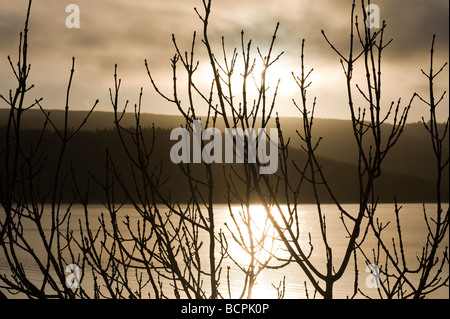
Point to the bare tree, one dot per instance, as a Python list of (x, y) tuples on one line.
[(25, 204), (153, 244), (372, 149), (222, 107), (398, 277)]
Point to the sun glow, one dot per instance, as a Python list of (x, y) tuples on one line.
[(255, 240), (277, 78), (253, 246)]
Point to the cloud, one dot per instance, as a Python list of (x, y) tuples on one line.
[(124, 32)]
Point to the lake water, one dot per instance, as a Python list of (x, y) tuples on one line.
[(414, 237)]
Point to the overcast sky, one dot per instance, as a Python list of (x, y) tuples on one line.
[(128, 32)]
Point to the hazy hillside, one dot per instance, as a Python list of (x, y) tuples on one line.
[(88, 150), (411, 156)]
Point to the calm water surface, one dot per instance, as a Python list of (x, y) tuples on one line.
[(412, 223)]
